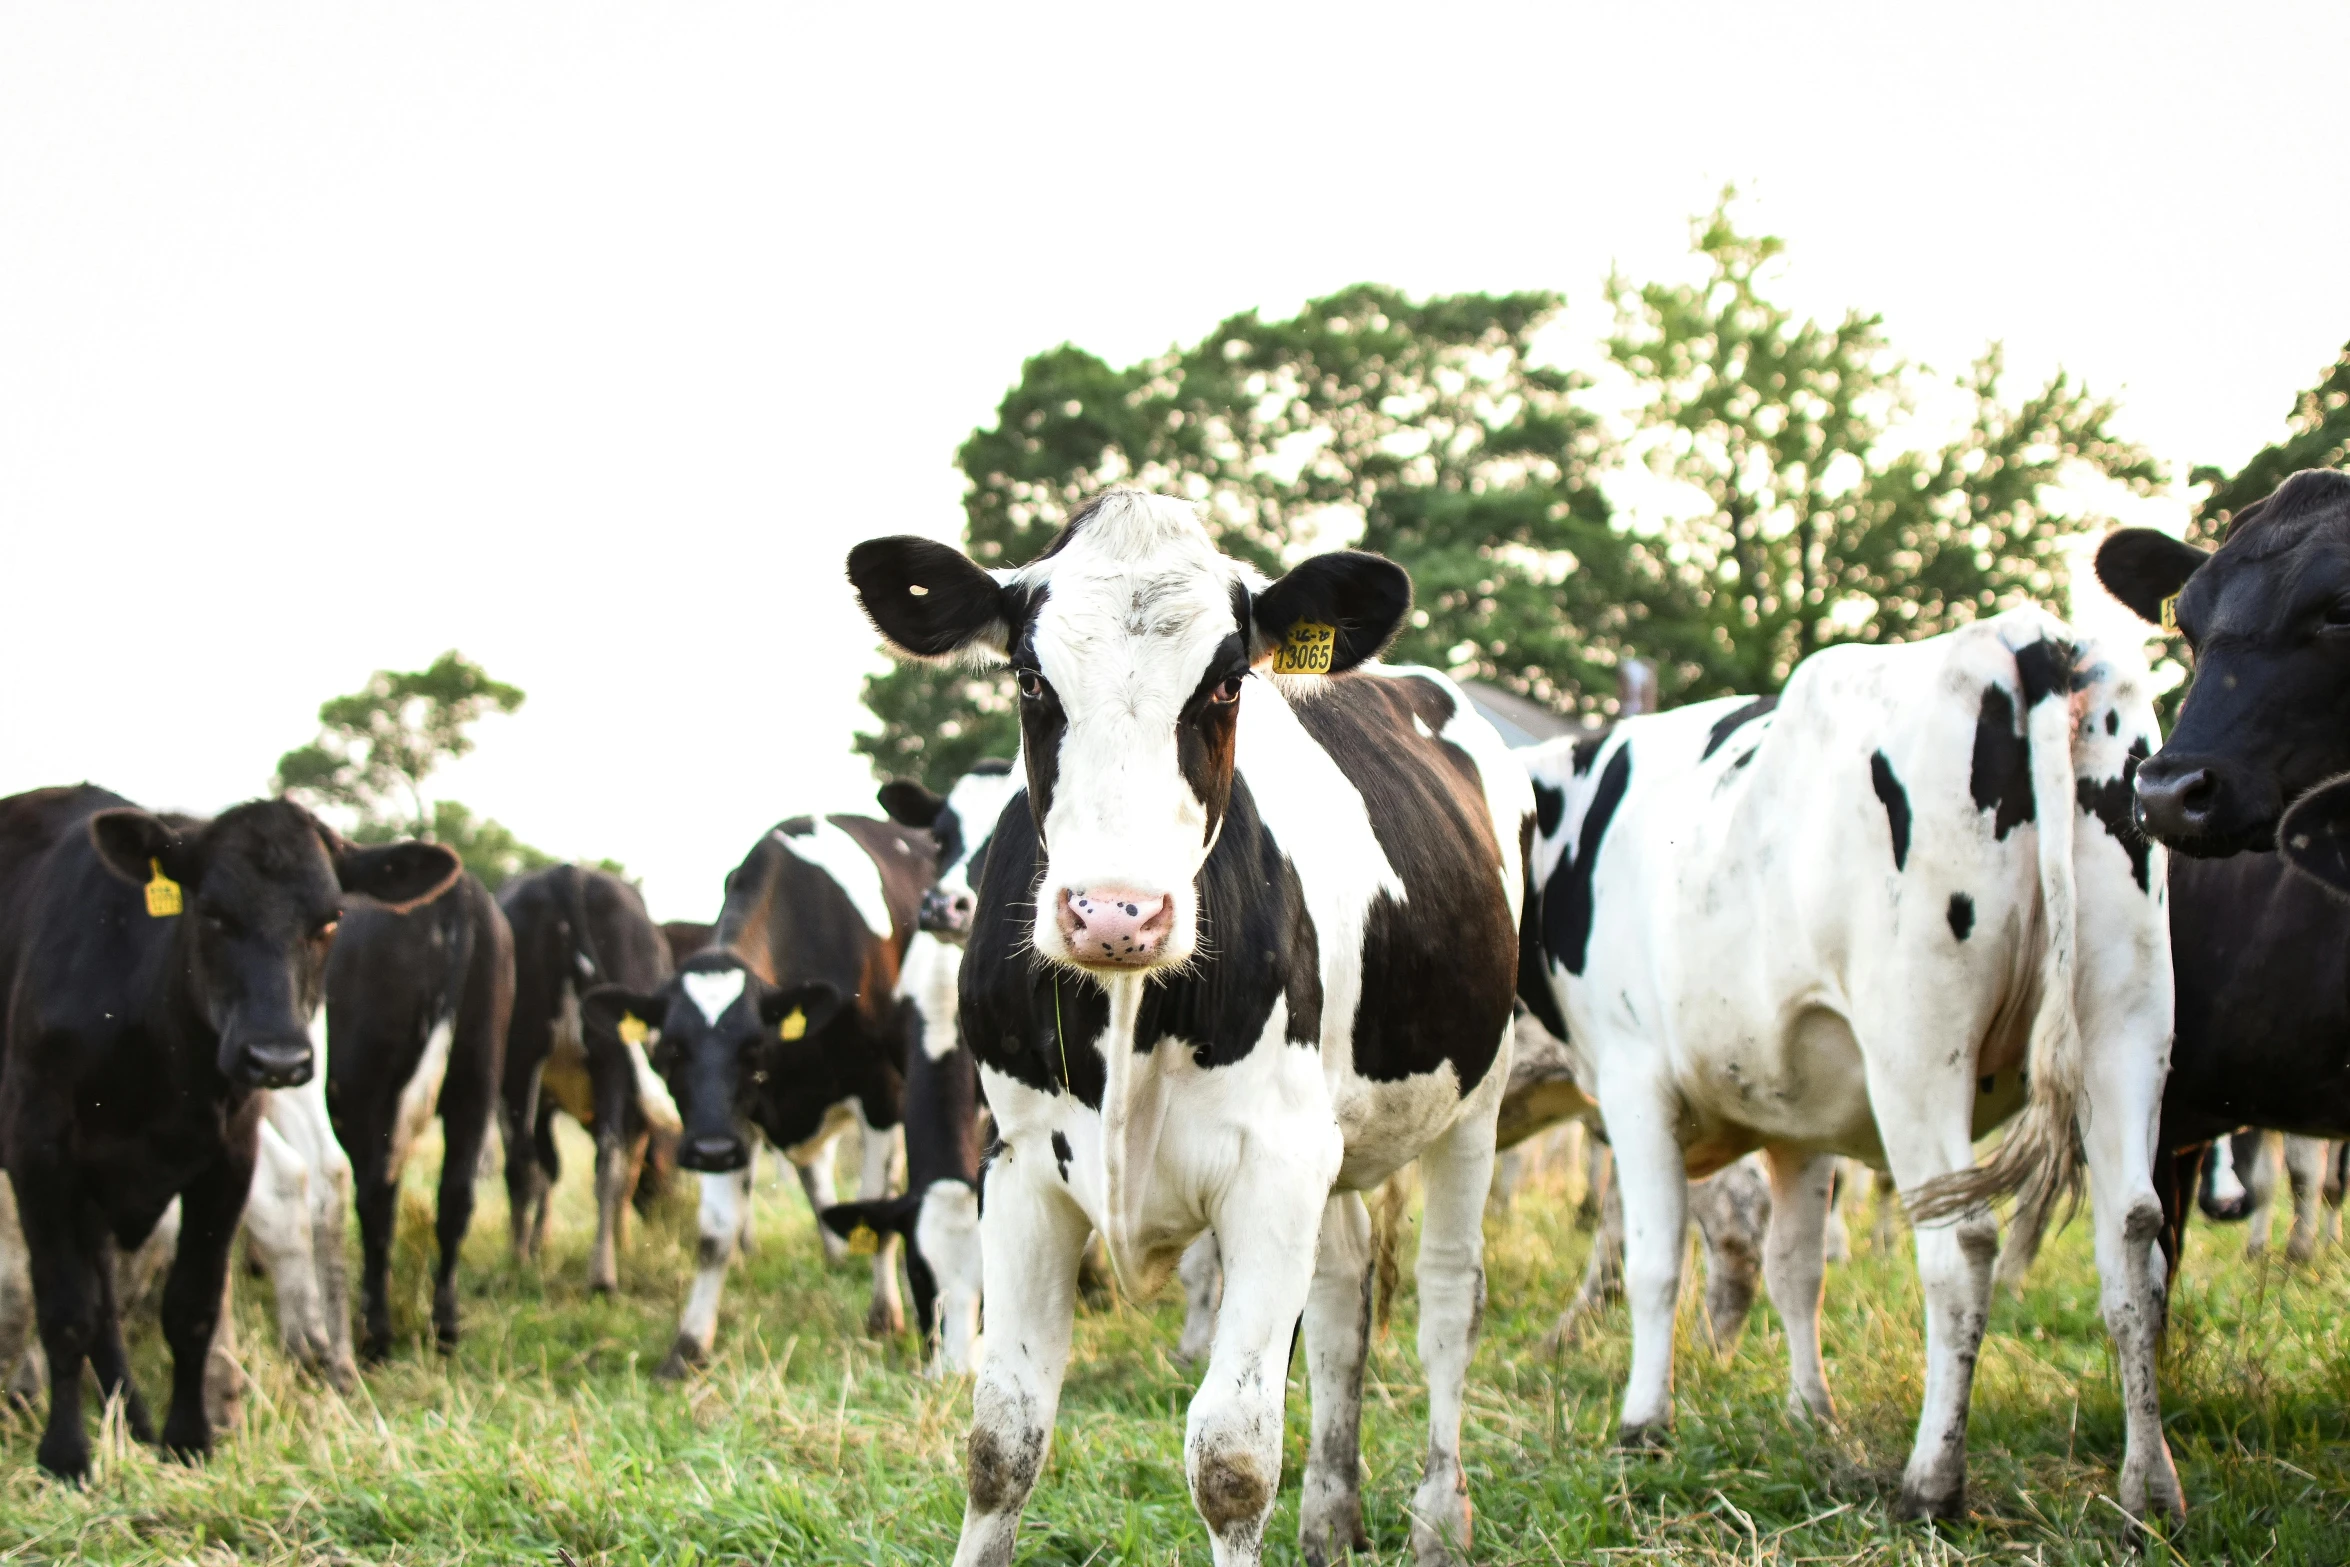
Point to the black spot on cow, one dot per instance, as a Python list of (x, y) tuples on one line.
[(1587, 750), (1062, 1155), (1896, 802), (1962, 922), (1533, 971), (2109, 801), (1731, 722), (1983, 1085), (2113, 721), (2001, 779), (1567, 905), (2044, 668), (1550, 803)]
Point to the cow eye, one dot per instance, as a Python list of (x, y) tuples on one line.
[(1031, 683), (1227, 691), (2338, 615)]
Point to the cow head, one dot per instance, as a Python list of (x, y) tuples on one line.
[(727, 1043), (962, 823), (2268, 617), (258, 892), (1132, 642), (940, 1224)]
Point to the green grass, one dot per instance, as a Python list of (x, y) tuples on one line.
[(806, 1442)]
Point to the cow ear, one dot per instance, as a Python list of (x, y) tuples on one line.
[(909, 804), (2142, 568), (134, 845), (814, 1001), (398, 875), (2314, 835), (928, 598), (886, 1215), (605, 1007), (1361, 598)]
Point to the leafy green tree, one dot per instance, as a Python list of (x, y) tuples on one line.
[(377, 746), (2317, 435), (1432, 427), (1814, 521)]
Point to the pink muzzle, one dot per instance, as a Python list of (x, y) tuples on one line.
[(1115, 927)]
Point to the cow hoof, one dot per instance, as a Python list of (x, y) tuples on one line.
[(884, 1321), (603, 1289), (684, 1355), (376, 1349), (341, 1374), (1918, 1503), (1652, 1436), (1333, 1531), (2153, 1493)]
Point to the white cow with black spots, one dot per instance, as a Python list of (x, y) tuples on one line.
[(1858, 924)]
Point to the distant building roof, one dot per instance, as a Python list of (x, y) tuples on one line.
[(1520, 720)]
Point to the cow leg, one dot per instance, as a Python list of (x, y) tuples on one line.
[(1603, 1271), (2256, 1170), (2305, 1166), (550, 1162), (1202, 1273), (464, 1128), (1030, 1235), (1733, 1211), (1839, 1238), (210, 1207), (814, 1165), (16, 1291), (1654, 1186), (723, 1196), (748, 1241), (110, 1361), (882, 1155), (379, 1200), (615, 1162), (64, 1241), (1885, 1223), (1338, 1336), (1795, 1269), (1456, 1171), (278, 1228), (523, 1175)]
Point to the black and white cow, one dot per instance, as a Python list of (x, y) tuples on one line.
[(417, 1005), (1248, 950), (161, 973), (937, 1216), (788, 1027), (575, 929), (1857, 921)]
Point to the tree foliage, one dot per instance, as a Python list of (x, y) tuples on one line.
[(1815, 519), (1443, 433), (2317, 435)]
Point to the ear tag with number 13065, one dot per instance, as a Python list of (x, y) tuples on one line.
[(163, 894), (1306, 650)]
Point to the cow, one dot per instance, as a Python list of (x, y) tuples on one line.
[(574, 929), (1875, 917), (936, 1218), (417, 1005), (1247, 950), (684, 938), (788, 1026), (162, 972), (2248, 1162)]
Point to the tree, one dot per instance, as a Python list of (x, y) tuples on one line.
[(376, 747), (1432, 427), (1815, 521), (2317, 435)]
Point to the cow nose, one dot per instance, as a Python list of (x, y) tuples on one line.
[(947, 913), (2177, 801), (277, 1063), (1115, 927), (713, 1154)]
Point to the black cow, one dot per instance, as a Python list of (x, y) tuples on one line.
[(575, 929), (161, 971), (685, 938), (788, 1027), (416, 1007)]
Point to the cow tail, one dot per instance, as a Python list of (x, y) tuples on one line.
[(2039, 1161)]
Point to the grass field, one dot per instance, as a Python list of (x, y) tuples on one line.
[(806, 1442)]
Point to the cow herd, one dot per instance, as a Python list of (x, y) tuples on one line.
[(1254, 922)]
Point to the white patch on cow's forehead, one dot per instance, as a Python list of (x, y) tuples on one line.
[(712, 991), (841, 857), (1138, 599)]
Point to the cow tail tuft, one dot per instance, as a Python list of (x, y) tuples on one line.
[(2039, 1161)]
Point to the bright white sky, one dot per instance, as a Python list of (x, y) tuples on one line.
[(587, 338)]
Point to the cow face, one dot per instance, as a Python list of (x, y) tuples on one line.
[(962, 823), (1132, 642), (2268, 617), (260, 889), (734, 1051), (940, 1226)]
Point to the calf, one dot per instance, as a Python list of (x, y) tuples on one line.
[(788, 1027), (937, 1218), (416, 1007), (575, 929), (1858, 921), (1247, 951), (161, 972)]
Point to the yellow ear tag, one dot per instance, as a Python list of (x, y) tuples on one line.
[(163, 894), (863, 1242), (2170, 613), (793, 1026), (633, 1029), (1306, 650)]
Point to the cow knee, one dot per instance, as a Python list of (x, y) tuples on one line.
[(1231, 1486), (1004, 1454)]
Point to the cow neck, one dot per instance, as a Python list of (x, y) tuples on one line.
[(1134, 1106)]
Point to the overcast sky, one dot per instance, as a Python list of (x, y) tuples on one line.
[(587, 338)]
